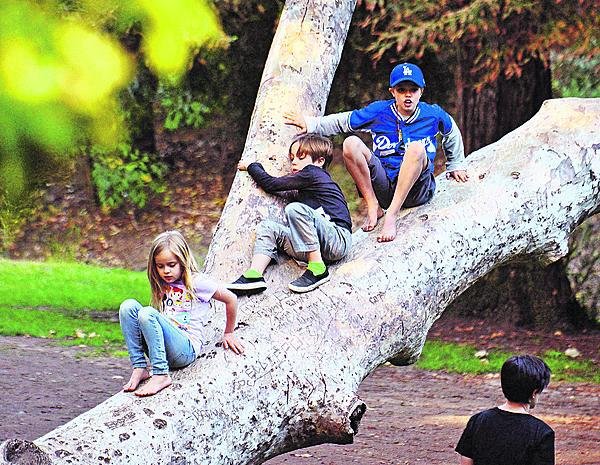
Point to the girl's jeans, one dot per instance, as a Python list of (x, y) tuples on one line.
[(146, 330)]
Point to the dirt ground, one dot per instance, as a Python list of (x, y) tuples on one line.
[(413, 416)]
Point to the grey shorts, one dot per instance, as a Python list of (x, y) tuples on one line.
[(420, 193)]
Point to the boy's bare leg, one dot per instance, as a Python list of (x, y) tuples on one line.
[(137, 376), (260, 262), (415, 161), (356, 156), (157, 383), (314, 256)]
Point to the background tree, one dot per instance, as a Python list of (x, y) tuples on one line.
[(498, 53)]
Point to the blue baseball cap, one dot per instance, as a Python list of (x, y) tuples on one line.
[(407, 72)]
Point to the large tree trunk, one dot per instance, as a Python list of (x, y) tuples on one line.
[(307, 354), (487, 113), (526, 293), (296, 386)]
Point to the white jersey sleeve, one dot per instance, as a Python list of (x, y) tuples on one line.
[(454, 149), (329, 125)]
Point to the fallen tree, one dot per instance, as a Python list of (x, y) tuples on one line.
[(307, 354)]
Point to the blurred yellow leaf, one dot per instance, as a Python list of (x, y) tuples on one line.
[(94, 67)]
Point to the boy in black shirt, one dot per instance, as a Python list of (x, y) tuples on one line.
[(319, 224), (508, 434)]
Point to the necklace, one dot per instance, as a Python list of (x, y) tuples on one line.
[(510, 408)]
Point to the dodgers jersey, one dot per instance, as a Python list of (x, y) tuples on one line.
[(391, 132)]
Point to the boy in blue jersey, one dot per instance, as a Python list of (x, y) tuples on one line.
[(398, 171)]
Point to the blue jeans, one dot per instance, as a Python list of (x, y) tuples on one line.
[(146, 330)]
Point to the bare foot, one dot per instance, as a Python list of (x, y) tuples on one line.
[(138, 375), (388, 232), (372, 219), (157, 383)]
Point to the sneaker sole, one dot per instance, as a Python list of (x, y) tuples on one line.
[(247, 287), (247, 292), (301, 290)]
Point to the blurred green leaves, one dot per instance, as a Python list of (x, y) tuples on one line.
[(62, 66)]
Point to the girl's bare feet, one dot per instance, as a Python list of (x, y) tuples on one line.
[(157, 383), (138, 375)]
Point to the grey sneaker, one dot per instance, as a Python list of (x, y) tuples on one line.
[(247, 286), (308, 281)]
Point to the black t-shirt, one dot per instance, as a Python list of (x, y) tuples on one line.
[(498, 437), (314, 187)]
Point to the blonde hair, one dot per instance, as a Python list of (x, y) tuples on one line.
[(174, 242)]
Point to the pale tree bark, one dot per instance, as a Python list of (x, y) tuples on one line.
[(307, 354)]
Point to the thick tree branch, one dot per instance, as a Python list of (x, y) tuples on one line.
[(307, 354)]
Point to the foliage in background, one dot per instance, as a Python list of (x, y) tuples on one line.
[(181, 108), (227, 79), (505, 35), (126, 176), (575, 76), (14, 212), (56, 77), (60, 72), (344, 180)]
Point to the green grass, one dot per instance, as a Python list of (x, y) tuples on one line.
[(52, 324), (69, 286), (57, 300), (102, 335), (459, 358)]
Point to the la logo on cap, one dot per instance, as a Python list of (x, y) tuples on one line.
[(406, 72)]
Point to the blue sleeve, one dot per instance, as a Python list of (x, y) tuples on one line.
[(445, 120), (363, 118)]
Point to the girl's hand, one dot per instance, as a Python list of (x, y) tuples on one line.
[(230, 341), (294, 118), (243, 166)]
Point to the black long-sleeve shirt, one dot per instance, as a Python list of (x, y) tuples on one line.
[(314, 188)]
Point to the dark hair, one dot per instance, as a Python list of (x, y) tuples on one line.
[(523, 374), (315, 146)]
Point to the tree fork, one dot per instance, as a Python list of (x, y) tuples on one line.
[(307, 354)]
